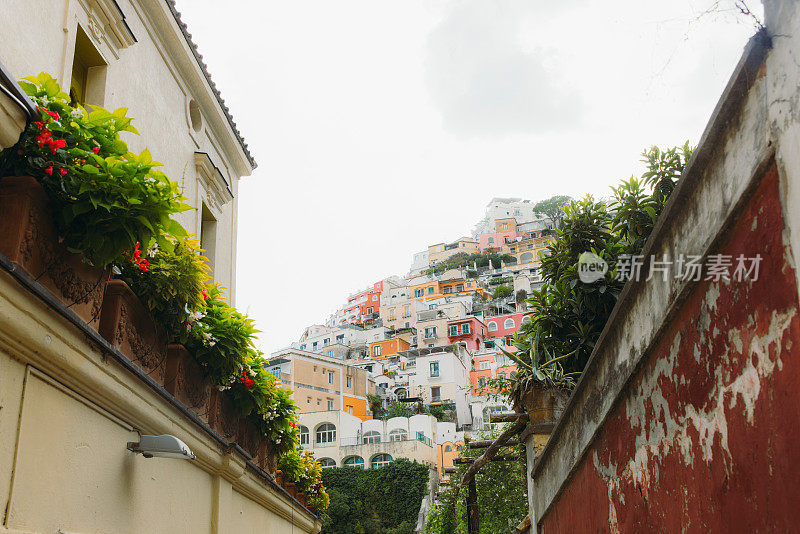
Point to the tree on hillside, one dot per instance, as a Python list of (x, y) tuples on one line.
[(551, 207)]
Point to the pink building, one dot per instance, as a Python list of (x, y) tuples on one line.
[(496, 239), (468, 331), (504, 326)]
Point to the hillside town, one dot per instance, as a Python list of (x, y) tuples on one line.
[(432, 341)]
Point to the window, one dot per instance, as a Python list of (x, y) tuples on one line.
[(465, 328), (308, 400), (489, 344), (340, 338), (459, 288), (391, 314), (481, 381), (369, 310), (327, 462), (330, 377), (379, 460), (483, 366), (491, 240), (276, 372), (374, 297), (208, 236), (314, 347), (419, 292), (88, 82), (432, 306), (447, 448), (406, 311), (509, 323), (398, 434), (354, 461), (349, 381), (330, 404), (349, 409), (303, 347), (372, 437), (430, 290), (326, 342), (430, 332), (435, 394), (304, 436), (505, 226), (376, 351), (330, 354), (326, 433), (453, 329), (492, 326), (434, 368)]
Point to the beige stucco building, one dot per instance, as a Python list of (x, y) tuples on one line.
[(137, 54), (70, 402), (321, 382), (441, 251)]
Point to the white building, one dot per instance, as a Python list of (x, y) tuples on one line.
[(339, 341), (504, 208), (338, 439)]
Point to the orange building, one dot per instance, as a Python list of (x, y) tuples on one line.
[(446, 453), (446, 286), (387, 347), (486, 366)]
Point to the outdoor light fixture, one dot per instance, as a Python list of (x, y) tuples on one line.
[(164, 446)]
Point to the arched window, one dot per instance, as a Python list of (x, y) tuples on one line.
[(379, 460), (304, 436), (509, 323), (448, 448), (526, 319), (354, 461), (492, 326), (326, 434), (526, 257), (398, 434), (327, 462), (372, 437)]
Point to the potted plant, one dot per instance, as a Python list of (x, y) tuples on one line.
[(185, 380), (541, 387)]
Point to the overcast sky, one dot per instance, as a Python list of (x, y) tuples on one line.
[(382, 127)]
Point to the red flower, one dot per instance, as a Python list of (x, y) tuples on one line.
[(63, 172), (49, 171), (248, 382), (204, 294), (96, 149), (294, 425), (143, 265)]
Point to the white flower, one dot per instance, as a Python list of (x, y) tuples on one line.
[(76, 113), (251, 372), (152, 250), (212, 343), (223, 388)]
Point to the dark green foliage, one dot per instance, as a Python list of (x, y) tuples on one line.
[(502, 497), (375, 501), (375, 405), (567, 314), (398, 409), (501, 292), (462, 259), (552, 207)]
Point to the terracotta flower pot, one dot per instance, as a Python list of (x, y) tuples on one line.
[(542, 403), (291, 489), (279, 477), (223, 417), (185, 380), (28, 237), (268, 458), (302, 497), (128, 326)]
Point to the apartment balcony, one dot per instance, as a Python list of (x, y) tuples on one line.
[(385, 440)]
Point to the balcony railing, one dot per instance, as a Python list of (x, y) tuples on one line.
[(383, 440)]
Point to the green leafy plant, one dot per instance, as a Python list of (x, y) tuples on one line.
[(105, 198), (501, 292), (300, 468), (171, 282), (567, 315)]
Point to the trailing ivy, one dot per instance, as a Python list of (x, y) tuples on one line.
[(384, 500)]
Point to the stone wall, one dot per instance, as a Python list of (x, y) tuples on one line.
[(685, 417)]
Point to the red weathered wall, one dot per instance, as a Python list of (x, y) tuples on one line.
[(707, 436)]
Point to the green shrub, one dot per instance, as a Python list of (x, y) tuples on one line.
[(104, 198), (375, 500), (170, 282)]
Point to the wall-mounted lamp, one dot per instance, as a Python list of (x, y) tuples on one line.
[(164, 446)]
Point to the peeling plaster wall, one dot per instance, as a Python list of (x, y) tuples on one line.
[(705, 436), (686, 416)]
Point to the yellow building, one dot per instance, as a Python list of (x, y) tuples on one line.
[(441, 251), (320, 383), (526, 249)]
